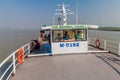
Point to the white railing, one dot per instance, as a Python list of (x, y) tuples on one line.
[(112, 46), (119, 50), (8, 66)]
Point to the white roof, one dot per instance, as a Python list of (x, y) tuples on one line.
[(69, 27)]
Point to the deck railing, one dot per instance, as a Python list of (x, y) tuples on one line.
[(8, 66), (112, 46)]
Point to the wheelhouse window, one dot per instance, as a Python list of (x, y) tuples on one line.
[(57, 35), (81, 35), (44, 34), (70, 35)]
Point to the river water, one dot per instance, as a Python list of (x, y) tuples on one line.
[(107, 35), (10, 40)]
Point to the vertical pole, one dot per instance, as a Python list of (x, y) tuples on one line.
[(14, 64), (51, 42), (28, 48), (53, 21), (76, 19), (119, 50), (64, 15), (76, 13), (87, 38), (105, 45)]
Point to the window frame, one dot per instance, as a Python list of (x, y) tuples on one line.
[(86, 35)]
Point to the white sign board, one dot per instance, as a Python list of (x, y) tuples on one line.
[(69, 47)]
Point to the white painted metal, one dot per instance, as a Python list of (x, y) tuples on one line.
[(28, 48), (85, 52), (97, 51), (105, 45), (13, 62), (6, 60), (56, 49), (50, 27), (76, 13), (6, 71), (119, 50), (112, 46), (35, 55), (55, 46), (64, 12), (64, 15)]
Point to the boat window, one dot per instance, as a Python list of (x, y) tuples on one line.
[(81, 35), (69, 35), (57, 35), (44, 34)]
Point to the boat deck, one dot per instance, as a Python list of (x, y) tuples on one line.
[(92, 66)]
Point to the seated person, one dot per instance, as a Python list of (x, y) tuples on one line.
[(42, 35), (40, 40), (66, 36), (79, 35), (49, 38), (36, 45), (59, 38), (31, 46)]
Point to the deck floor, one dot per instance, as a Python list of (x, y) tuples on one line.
[(94, 66)]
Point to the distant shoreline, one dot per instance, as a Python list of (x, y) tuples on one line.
[(107, 29)]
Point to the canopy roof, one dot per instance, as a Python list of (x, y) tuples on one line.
[(69, 27)]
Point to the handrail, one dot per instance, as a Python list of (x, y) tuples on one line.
[(10, 68), (6, 59), (119, 50), (107, 44), (6, 70)]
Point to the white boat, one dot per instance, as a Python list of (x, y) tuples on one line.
[(61, 40)]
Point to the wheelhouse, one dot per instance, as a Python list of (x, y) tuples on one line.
[(67, 39)]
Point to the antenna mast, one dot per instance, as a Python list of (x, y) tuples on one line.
[(64, 15), (64, 12), (76, 13), (53, 21)]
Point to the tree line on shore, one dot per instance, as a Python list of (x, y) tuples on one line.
[(107, 28)]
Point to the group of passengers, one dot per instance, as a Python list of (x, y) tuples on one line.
[(78, 36), (36, 44)]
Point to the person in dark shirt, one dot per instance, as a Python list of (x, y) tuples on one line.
[(42, 35), (66, 36), (37, 44), (59, 38), (49, 39)]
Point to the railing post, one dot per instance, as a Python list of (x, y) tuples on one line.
[(28, 48), (105, 45), (88, 41), (119, 50), (14, 64)]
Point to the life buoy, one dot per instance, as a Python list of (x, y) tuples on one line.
[(20, 56), (97, 43)]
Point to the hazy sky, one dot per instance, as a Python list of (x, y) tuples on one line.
[(35, 13)]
